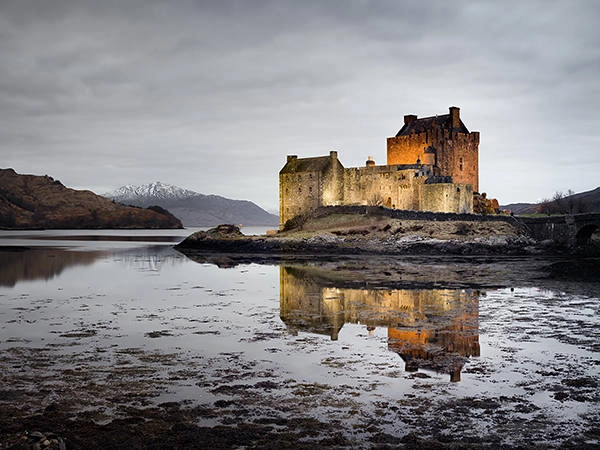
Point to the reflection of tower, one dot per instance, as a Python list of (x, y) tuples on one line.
[(434, 329), (442, 346)]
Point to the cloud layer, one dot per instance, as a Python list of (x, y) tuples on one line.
[(211, 96)]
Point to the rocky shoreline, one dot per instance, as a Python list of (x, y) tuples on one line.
[(372, 239)]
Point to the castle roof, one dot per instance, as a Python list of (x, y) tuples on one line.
[(316, 164), (429, 123)]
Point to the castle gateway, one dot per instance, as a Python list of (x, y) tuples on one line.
[(432, 165)]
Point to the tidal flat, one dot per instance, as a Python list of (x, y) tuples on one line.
[(121, 341)]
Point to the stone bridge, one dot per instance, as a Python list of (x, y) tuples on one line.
[(569, 230)]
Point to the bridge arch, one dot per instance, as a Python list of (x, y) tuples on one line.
[(568, 230), (584, 234)]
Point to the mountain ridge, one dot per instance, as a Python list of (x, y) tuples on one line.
[(193, 208), (155, 190), (35, 202)]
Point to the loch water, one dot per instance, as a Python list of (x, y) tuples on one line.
[(107, 321)]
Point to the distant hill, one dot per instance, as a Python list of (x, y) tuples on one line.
[(31, 201), (520, 208), (193, 208), (588, 201)]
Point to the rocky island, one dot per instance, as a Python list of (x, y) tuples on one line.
[(364, 230)]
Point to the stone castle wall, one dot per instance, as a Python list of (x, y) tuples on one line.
[(447, 197), (383, 185), (332, 184), (394, 187), (298, 194)]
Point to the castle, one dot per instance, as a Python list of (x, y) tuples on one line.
[(432, 165)]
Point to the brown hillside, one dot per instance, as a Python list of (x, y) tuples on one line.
[(30, 201)]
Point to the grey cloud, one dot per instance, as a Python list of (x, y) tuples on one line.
[(133, 91)]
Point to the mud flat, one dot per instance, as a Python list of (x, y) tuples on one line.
[(153, 349)]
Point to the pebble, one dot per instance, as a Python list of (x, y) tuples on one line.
[(36, 440)]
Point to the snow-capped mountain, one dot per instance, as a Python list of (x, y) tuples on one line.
[(156, 190), (193, 208)]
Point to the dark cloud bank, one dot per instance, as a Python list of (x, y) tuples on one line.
[(211, 96)]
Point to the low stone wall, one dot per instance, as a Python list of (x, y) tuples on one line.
[(411, 215)]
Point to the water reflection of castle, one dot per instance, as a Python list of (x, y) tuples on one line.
[(433, 329)]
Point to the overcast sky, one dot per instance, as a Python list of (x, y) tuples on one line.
[(212, 95)]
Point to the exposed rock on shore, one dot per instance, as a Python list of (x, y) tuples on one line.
[(353, 234)]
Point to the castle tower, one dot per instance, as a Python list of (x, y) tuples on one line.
[(456, 149), (307, 183)]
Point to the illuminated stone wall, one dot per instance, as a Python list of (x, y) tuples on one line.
[(397, 187), (307, 183), (457, 154), (447, 197), (391, 186)]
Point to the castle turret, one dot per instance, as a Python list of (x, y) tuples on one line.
[(428, 158), (370, 161)]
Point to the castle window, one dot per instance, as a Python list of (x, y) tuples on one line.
[(460, 164), (299, 177), (300, 190), (310, 189), (310, 176)]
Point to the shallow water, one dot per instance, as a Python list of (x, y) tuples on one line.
[(109, 323)]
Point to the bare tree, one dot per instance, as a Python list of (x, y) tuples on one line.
[(562, 203)]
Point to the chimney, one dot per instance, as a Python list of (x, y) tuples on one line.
[(409, 119), (454, 117), (370, 161), (333, 155), (291, 157)]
